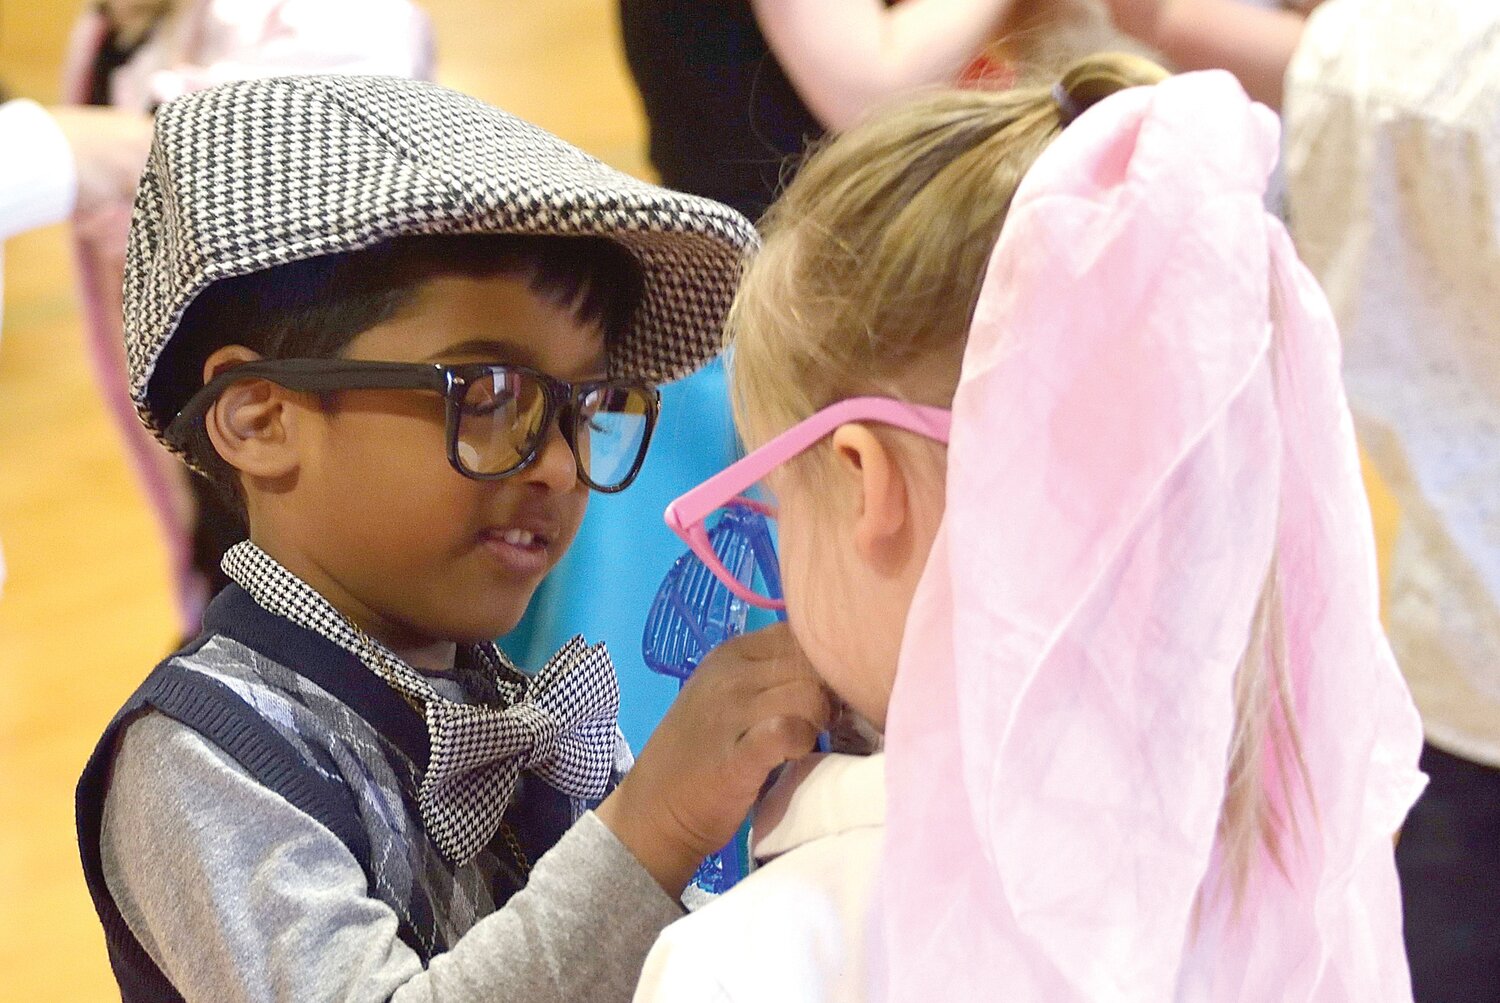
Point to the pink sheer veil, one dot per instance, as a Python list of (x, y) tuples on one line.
[(1149, 412)]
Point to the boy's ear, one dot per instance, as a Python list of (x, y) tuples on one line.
[(883, 504), (249, 424)]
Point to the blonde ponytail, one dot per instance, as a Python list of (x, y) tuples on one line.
[(874, 255), (1265, 757), (1266, 764), (1091, 80)]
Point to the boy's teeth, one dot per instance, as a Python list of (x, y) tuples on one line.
[(519, 538)]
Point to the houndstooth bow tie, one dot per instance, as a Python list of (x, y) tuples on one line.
[(560, 723)]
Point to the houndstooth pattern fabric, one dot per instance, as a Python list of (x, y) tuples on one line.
[(436, 900), (560, 723), (258, 173)]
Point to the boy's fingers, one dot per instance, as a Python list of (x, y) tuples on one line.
[(755, 661), (772, 742), (804, 699)]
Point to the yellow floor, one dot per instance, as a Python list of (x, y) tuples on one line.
[(85, 611)]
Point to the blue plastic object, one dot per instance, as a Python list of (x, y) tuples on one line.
[(693, 613)]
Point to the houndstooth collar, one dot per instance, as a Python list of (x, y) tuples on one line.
[(560, 723)]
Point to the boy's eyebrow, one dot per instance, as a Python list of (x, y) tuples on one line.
[(499, 351), (488, 347)]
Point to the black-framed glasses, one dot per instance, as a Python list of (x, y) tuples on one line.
[(498, 416)]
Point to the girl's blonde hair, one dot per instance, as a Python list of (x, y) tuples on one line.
[(873, 256), (871, 265)]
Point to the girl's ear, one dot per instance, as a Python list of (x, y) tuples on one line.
[(883, 504), (250, 424)]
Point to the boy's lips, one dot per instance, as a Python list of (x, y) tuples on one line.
[(525, 547)]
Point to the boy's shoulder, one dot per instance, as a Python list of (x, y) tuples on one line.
[(252, 685), (241, 702)]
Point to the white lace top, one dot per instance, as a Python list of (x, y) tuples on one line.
[(1393, 171)]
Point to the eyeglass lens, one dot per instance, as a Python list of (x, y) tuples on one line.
[(501, 422)]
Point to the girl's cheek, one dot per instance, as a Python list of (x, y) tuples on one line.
[(815, 599)]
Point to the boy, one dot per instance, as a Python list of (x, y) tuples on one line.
[(407, 333)]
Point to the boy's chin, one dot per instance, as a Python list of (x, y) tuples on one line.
[(486, 630), (496, 623), (497, 616)]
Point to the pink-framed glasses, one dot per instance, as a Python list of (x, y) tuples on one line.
[(688, 514)]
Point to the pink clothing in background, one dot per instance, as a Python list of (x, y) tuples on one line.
[(208, 42), (1149, 411)]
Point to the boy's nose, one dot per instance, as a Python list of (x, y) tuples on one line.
[(555, 468)]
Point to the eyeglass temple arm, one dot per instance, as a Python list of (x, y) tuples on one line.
[(685, 515), (695, 505), (312, 376)]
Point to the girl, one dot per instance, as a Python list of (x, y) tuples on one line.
[(1071, 511)]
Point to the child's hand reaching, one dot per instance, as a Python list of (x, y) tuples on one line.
[(1254, 43), (752, 705), (1140, 18)]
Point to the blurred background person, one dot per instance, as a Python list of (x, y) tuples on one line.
[(734, 92), (1254, 39), (137, 54), (60, 162)]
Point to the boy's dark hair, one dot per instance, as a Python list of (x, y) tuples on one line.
[(313, 308)]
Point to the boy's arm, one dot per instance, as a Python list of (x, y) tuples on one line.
[(238, 895), (752, 705)]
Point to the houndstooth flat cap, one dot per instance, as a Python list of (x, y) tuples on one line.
[(260, 173)]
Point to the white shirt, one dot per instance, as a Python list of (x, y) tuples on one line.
[(1393, 174), (37, 178), (38, 181), (799, 927)]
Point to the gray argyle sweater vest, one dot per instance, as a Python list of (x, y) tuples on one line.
[(306, 719)]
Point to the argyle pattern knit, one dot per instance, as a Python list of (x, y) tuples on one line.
[(560, 723)]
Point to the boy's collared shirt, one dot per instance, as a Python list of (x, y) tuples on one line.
[(560, 723), (365, 900)]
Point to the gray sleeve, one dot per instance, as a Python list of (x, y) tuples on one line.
[(239, 896)]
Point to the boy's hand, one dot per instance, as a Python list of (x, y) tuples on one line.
[(752, 705)]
